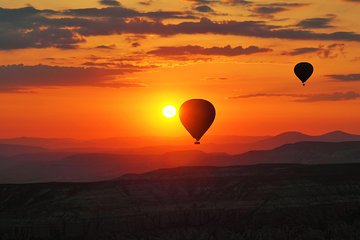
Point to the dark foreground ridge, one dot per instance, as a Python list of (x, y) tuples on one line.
[(270, 201)]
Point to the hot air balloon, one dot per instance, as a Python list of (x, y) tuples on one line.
[(303, 71), (197, 115)]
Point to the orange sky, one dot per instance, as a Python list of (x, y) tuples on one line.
[(94, 69)]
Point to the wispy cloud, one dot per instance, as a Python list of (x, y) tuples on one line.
[(268, 9), (319, 97), (323, 51), (198, 50), (108, 47), (354, 1), (146, 2), (311, 23), (14, 78), (110, 2), (204, 9), (345, 77), (229, 2), (301, 51)]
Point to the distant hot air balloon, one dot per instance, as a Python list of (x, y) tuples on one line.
[(303, 71), (197, 115)]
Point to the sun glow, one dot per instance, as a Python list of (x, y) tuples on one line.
[(169, 111)]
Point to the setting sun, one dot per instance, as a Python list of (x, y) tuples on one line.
[(169, 111)]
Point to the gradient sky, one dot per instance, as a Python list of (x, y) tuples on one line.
[(93, 69)]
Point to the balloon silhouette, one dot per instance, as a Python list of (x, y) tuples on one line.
[(197, 115), (303, 71)]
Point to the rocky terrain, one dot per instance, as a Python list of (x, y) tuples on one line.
[(270, 201)]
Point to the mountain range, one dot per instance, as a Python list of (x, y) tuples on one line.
[(20, 164), (160, 145)]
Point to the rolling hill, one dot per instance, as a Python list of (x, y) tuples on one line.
[(83, 167), (160, 145), (14, 149)]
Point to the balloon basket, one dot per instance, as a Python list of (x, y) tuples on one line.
[(197, 142)]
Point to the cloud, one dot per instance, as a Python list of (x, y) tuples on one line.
[(206, 26), (331, 51), (135, 40), (198, 50), (236, 2), (224, 2), (109, 47), (245, 28), (119, 13), (336, 96), (113, 12), (345, 77), (317, 22), (32, 28), (204, 9), (324, 52), (320, 97), (135, 44), (27, 28), (14, 78), (39, 38), (146, 2), (301, 51), (110, 2), (158, 15), (267, 10)]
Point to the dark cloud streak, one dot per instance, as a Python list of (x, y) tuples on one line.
[(320, 97), (198, 50), (324, 52), (204, 9), (267, 10), (345, 77), (301, 51), (110, 2), (15, 78), (313, 23)]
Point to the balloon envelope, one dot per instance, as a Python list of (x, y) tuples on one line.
[(303, 71), (197, 115)]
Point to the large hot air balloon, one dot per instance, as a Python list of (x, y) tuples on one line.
[(197, 115), (303, 71)]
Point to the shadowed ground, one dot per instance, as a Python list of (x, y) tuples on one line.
[(278, 201)]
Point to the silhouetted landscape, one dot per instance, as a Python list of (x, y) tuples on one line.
[(24, 164), (179, 120), (271, 201), (306, 187)]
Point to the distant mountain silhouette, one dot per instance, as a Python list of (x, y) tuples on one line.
[(338, 136), (305, 153), (67, 166), (294, 137), (13, 149), (160, 145), (42, 142)]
